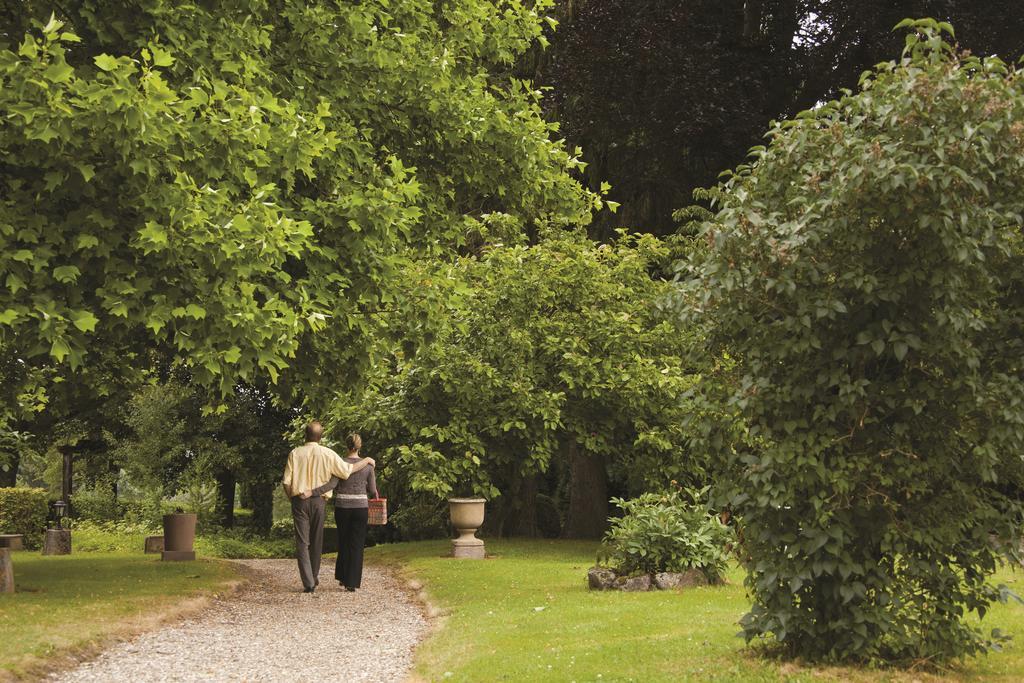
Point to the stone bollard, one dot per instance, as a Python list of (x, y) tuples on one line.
[(154, 544), (6, 571), (57, 542)]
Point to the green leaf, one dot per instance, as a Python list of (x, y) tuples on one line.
[(162, 57), (66, 274), (84, 320), (86, 241), (15, 283), (105, 62), (8, 316), (59, 349), (195, 311), (87, 171), (58, 72), (53, 24), (154, 233), (28, 47)]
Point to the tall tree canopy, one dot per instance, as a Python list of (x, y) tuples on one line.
[(664, 95), (235, 181)]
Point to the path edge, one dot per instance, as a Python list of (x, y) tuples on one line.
[(70, 657), (435, 616)]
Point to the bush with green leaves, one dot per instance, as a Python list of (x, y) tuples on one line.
[(667, 532), (866, 273), (24, 511), (97, 504)]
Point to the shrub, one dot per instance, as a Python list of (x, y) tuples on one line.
[(667, 532), (866, 272), (97, 504), (149, 511), (24, 511), (117, 536)]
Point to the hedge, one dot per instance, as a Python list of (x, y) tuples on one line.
[(24, 511)]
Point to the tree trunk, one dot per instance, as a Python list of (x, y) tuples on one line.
[(224, 511), (752, 20), (588, 494), (524, 511), (66, 479), (9, 477), (262, 505)]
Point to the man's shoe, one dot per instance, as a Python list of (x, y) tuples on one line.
[(309, 590), (350, 589)]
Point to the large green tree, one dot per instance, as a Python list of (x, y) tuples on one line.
[(238, 184), (556, 357), (167, 443), (866, 271), (226, 180), (663, 95)]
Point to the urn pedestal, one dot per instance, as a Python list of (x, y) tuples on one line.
[(467, 516)]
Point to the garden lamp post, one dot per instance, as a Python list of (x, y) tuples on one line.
[(58, 512), (57, 541)]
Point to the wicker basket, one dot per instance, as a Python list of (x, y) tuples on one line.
[(377, 511)]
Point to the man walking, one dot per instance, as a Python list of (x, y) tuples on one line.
[(309, 466)]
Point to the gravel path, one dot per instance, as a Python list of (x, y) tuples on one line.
[(271, 631)]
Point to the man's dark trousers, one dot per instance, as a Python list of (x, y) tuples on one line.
[(308, 516)]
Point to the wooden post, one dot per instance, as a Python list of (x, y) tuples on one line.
[(6, 571)]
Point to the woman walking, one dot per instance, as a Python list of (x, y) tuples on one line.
[(351, 503)]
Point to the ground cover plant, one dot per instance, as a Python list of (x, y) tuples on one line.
[(70, 604), (866, 273), (526, 614)]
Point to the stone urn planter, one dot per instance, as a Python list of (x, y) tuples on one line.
[(467, 516), (179, 535)]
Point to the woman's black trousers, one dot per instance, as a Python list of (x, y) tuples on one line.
[(351, 539)]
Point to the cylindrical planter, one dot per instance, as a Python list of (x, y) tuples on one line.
[(467, 516), (179, 536)]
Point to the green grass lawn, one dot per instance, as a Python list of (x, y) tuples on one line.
[(526, 614), (72, 603)]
